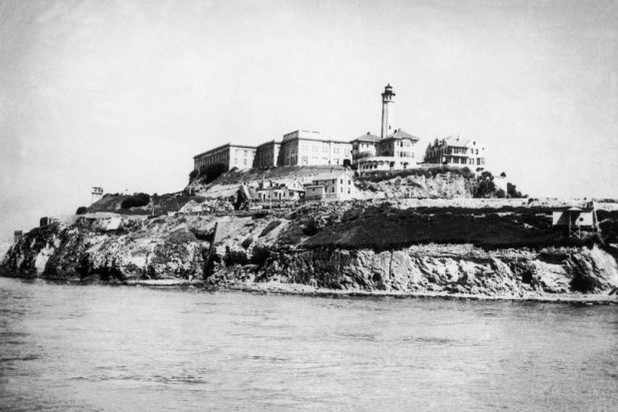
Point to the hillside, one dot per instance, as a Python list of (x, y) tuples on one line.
[(437, 182)]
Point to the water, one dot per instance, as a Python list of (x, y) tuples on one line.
[(67, 347)]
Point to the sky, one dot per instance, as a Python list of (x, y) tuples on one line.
[(122, 94)]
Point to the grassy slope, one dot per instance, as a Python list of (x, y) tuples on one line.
[(383, 228)]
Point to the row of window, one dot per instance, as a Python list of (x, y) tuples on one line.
[(453, 150), (465, 161), (332, 190)]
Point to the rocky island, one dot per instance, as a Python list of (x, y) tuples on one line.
[(414, 233)]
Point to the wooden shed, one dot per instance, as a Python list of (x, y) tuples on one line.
[(576, 219)]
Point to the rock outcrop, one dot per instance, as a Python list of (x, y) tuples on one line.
[(152, 249)]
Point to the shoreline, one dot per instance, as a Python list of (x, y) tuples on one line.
[(304, 290), (276, 288)]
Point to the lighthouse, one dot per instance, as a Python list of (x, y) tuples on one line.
[(388, 110)]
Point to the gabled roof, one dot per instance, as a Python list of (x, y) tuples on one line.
[(457, 141), (400, 134), (371, 138)]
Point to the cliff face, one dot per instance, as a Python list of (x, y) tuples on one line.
[(352, 247), (446, 185), (155, 249), (462, 269)]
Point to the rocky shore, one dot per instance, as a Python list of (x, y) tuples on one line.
[(352, 248)]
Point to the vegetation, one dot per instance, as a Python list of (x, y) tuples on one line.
[(137, 200), (81, 210), (485, 186), (384, 227), (209, 173), (511, 191)]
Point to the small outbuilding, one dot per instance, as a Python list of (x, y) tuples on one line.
[(577, 219)]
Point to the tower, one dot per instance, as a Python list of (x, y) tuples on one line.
[(388, 110)]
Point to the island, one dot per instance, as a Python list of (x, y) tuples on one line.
[(416, 232)]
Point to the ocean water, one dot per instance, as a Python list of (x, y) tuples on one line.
[(70, 347)]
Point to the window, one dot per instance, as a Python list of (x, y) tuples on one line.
[(341, 181), (333, 190)]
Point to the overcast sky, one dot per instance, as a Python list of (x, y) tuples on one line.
[(122, 94)]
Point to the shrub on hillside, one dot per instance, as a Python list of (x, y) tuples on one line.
[(81, 210), (137, 200), (211, 172), (485, 186), (511, 191)]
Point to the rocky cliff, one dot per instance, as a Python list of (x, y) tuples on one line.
[(347, 247)]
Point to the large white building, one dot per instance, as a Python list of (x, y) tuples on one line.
[(310, 148), (230, 155)]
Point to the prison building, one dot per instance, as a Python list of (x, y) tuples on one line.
[(230, 155), (266, 154), (310, 148)]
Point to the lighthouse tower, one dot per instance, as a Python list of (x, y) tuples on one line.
[(388, 111)]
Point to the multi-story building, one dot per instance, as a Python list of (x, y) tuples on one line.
[(230, 155), (394, 152), (307, 148), (364, 146), (266, 154), (398, 144), (454, 151)]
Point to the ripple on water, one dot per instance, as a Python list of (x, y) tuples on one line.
[(99, 348)]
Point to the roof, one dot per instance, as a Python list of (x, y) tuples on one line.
[(316, 139), (227, 145), (457, 141), (372, 138), (271, 142), (335, 174), (400, 134)]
